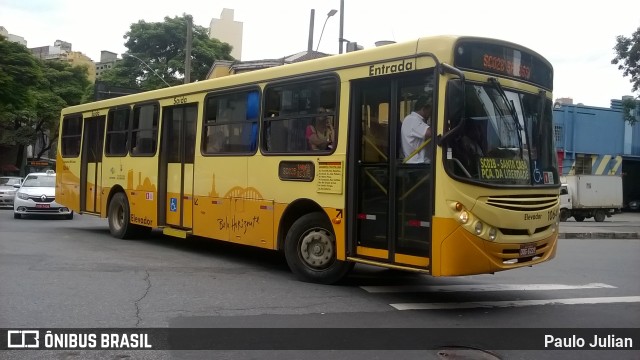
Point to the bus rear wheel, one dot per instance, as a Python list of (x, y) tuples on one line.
[(310, 250), (119, 216)]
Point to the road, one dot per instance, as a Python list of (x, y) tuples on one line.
[(72, 273)]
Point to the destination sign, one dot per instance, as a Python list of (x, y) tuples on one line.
[(496, 169), (296, 170), (504, 61)]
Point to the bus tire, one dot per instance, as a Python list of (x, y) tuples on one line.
[(310, 250), (119, 216)]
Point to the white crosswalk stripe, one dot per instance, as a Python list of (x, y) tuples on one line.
[(497, 288), (517, 303), (481, 287)]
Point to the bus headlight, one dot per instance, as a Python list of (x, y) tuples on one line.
[(492, 233), (478, 228), (464, 216)]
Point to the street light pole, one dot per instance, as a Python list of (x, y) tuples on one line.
[(330, 14), (147, 65)]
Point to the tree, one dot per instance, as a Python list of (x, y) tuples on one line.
[(32, 94), (20, 72), (628, 60), (161, 46), (62, 85)]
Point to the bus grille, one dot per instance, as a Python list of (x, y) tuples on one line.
[(523, 202)]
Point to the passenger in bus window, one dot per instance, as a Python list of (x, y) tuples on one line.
[(218, 138), (415, 131), (320, 132)]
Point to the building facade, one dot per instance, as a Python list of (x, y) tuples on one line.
[(107, 60), (598, 141), (11, 37), (226, 29)]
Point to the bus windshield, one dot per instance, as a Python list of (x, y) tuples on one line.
[(505, 139)]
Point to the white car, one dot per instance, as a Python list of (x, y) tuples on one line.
[(37, 195), (7, 191)]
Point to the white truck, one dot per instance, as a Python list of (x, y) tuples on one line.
[(585, 196)]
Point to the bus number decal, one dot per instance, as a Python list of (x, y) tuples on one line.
[(179, 100), (553, 214), (95, 113)]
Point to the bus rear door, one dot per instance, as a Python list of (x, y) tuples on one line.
[(91, 166), (175, 191)]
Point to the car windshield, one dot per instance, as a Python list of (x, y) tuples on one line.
[(39, 181), (9, 181), (507, 138)]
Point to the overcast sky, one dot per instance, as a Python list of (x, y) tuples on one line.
[(577, 37)]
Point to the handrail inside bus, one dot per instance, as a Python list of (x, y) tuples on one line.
[(414, 187), (461, 166), (416, 151), (375, 147), (375, 181)]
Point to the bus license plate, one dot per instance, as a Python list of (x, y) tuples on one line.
[(528, 249), (46, 206)]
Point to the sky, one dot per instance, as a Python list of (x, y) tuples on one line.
[(577, 37)]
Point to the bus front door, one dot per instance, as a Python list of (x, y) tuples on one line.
[(392, 199), (175, 192), (91, 165)]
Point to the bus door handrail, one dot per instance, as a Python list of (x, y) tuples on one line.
[(375, 147), (416, 151), (375, 181), (414, 187)]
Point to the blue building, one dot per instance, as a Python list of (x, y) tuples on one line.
[(595, 140)]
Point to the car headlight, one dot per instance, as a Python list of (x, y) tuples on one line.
[(23, 196)]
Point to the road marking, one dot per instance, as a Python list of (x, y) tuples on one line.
[(482, 287), (517, 303)]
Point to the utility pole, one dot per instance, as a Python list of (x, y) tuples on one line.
[(187, 60), (311, 19), (341, 40)]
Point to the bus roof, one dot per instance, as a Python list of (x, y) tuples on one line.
[(440, 46)]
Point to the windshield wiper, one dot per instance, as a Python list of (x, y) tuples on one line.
[(512, 110)]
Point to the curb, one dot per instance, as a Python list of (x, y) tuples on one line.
[(599, 235)]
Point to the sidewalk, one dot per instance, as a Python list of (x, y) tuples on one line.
[(624, 225)]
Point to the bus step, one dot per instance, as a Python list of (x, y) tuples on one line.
[(176, 232)]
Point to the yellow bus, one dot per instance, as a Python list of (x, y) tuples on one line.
[(309, 159)]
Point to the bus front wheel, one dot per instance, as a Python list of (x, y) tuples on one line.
[(119, 216), (310, 250)]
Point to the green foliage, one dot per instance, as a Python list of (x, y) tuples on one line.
[(32, 94), (628, 57), (19, 73), (628, 110), (160, 49)]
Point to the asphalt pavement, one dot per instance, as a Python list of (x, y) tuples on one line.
[(625, 225)]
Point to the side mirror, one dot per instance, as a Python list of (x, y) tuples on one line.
[(17, 186)]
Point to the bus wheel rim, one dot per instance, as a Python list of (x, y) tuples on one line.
[(316, 249)]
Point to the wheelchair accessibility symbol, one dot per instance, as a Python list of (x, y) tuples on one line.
[(173, 204)]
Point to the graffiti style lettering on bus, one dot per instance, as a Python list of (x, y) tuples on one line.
[(238, 224), (384, 69)]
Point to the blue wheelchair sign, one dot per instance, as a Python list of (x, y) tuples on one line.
[(173, 204)]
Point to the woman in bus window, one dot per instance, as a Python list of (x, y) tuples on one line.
[(319, 133)]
